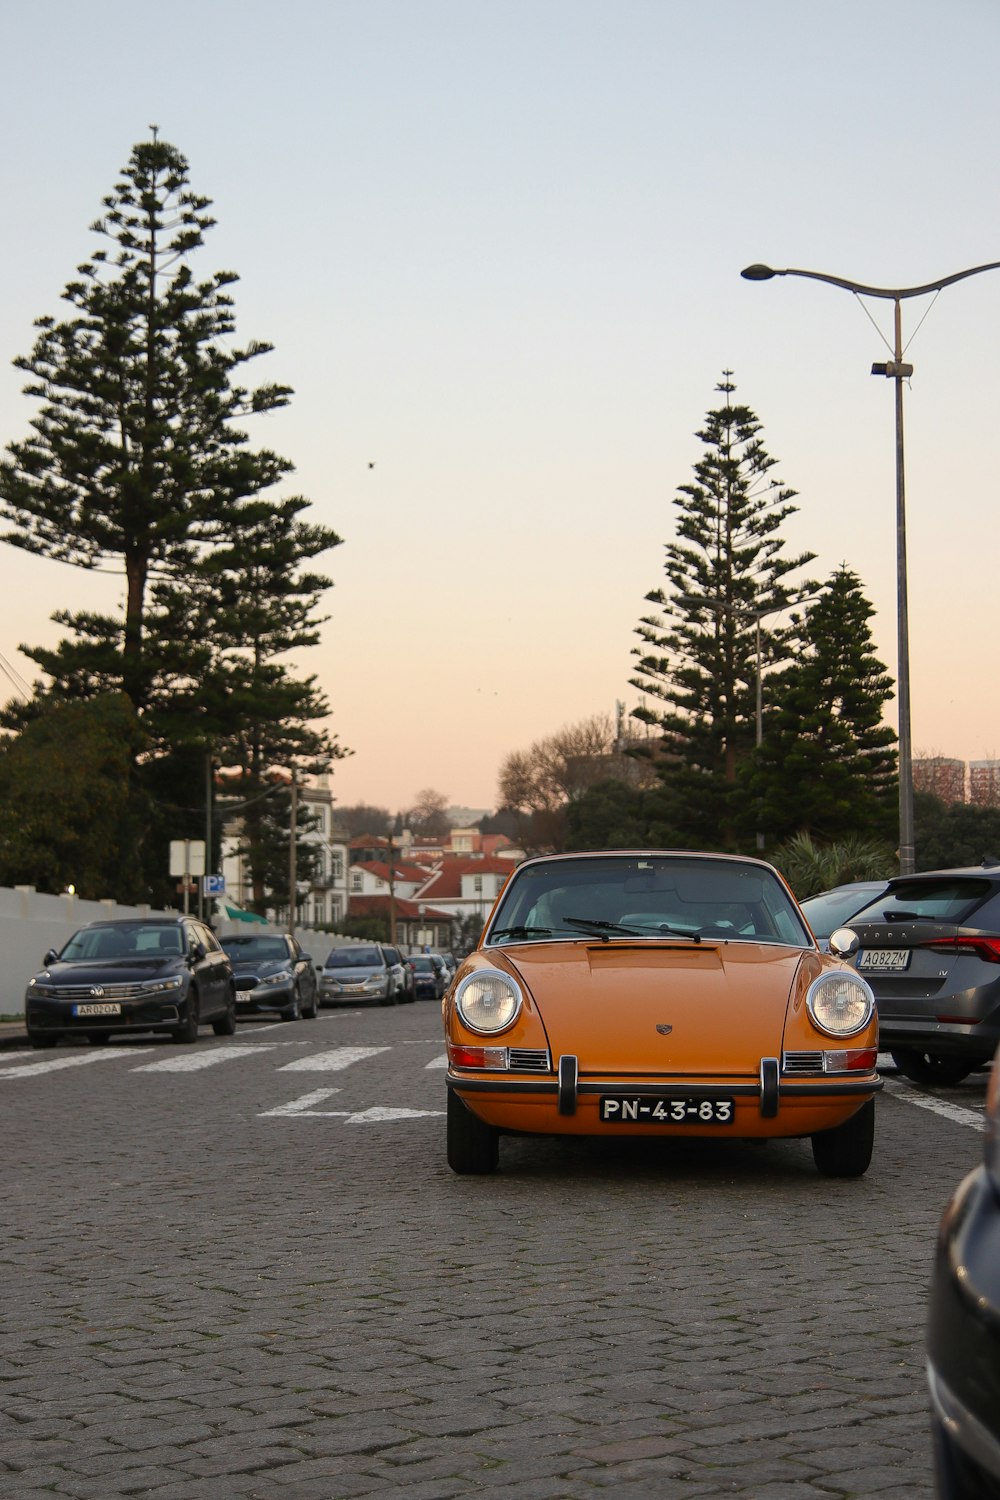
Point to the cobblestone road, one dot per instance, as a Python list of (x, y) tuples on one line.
[(244, 1270)]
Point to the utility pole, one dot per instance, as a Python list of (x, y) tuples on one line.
[(293, 874)]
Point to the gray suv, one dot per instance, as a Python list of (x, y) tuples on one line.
[(929, 946)]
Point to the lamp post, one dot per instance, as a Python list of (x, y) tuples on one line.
[(896, 371)]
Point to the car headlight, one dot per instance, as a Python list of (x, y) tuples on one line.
[(840, 1003), (161, 986), (488, 1001), (283, 976)]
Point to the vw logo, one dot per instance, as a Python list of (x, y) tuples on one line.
[(663, 1028), (96, 991)]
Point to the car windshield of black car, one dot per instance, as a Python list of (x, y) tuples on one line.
[(950, 900), (123, 942), (255, 947), (648, 896)]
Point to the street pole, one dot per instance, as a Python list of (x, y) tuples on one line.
[(896, 371), (293, 870)]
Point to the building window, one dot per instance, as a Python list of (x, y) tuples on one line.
[(337, 863), (357, 881)]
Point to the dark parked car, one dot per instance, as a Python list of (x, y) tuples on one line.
[(835, 908), (272, 974), (963, 1334), (929, 946), (149, 974), (428, 981)]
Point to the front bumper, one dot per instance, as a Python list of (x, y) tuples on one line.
[(265, 997), (963, 1330), (56, 1017)]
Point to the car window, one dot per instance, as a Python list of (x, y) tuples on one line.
[(122, 942), (950, 899), (832, 909), (647, 896), (355, 958), (422, 965), (255, 947)]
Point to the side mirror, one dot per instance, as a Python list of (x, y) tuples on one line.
[(198, 951), (50, 957), (307, 957), (844, 942)]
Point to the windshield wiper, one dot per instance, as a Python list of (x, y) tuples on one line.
[(519, 932), (595, 925), (901, 916)]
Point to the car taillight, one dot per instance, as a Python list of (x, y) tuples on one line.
[(462, 1056), (986, 948)]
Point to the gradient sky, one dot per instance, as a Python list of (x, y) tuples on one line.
[(497, 248)]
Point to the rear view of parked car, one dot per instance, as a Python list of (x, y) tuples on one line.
[(156, 974), (358, 973), (272, 974), (929, 946)]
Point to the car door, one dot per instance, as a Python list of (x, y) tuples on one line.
[(211, 968)]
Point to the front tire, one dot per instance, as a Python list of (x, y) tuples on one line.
[(473, 1148), (931, 1067), (846, 1151), (226, 1025), (294, 1011), (40, 1039), (188, 1031)]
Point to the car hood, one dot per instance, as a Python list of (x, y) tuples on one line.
[(110, 970), (621, 1007)]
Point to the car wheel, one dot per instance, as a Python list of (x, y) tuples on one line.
[(931, 1067), (389, 998), (188, 1029), (313, 1011), (846, 1151), (226, 1025), (98, 1038), (294, 1011), (473, 1148), (42, 1039)]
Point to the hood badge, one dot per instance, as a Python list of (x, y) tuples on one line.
[(663, 1028)]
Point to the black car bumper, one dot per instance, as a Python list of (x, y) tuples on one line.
[(963, 1334), (59, 1018)]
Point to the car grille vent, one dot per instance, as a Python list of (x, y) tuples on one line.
[(802, 1062), (86, 992), (529, 1060)]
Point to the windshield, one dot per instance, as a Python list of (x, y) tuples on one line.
[(355, 958), (423, 965), (255, 947), (124, 942), (650, 896), (947, 900)]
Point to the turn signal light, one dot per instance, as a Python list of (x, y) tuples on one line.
[(851, 1060), (461, 1056)]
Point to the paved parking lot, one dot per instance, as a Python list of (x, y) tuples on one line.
[(243, 1269)]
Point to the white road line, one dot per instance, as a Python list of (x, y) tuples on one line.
[(304, 1105), (376, 1115), (331, 1062), (31, 1070), (437, 1062), (971, 1118), (192, 1062)]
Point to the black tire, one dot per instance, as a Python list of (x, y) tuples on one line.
[(226, 1025), (188, 1029), (389, 998), (931, 1068), (313, 1011), (42, 1039), (98, 1038), (846, 1151), (294, 1011), (473, 1148)]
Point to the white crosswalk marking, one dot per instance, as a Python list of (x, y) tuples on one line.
[(376, 1115), (53, 1065), (304, 1106), (956, 1112), (331, 1062), (438, 1062), (193, 1062)]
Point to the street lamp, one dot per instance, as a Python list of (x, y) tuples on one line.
[(897, 371)]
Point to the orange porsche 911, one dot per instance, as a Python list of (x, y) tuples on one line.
[(658, 994)]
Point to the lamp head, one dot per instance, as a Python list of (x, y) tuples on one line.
[(757, 273)]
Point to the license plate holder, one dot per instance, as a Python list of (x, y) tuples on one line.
[(884, 960), (97, 1008), (662, 1109)]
